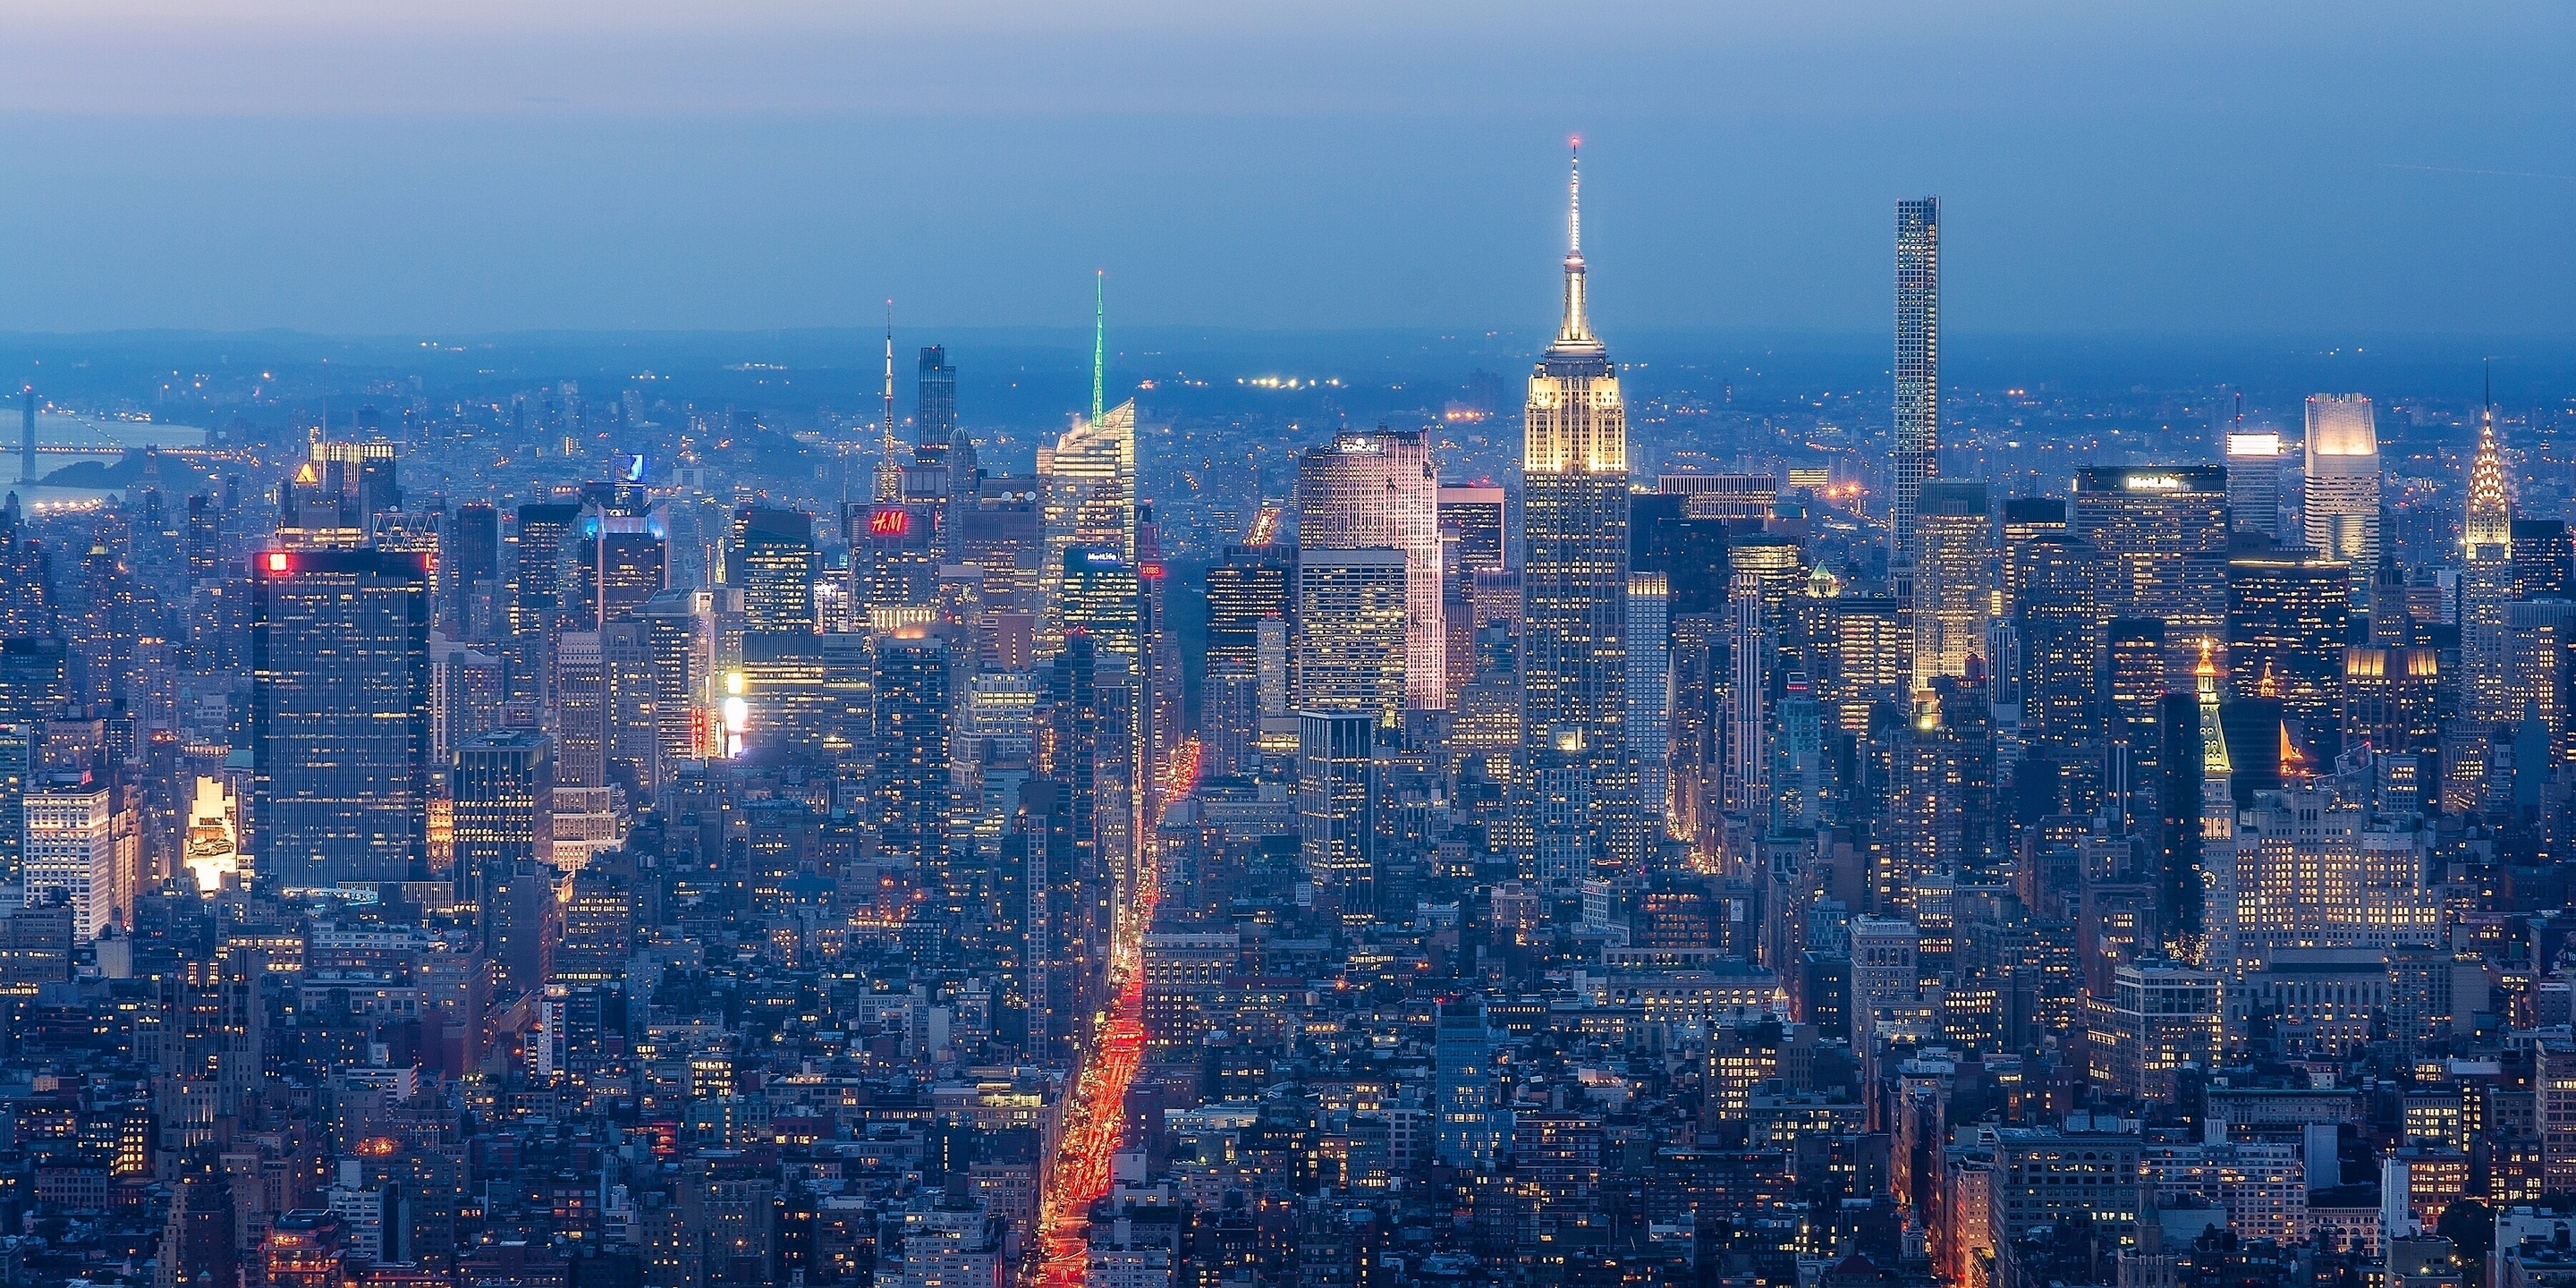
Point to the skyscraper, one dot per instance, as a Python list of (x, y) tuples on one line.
[(1336, 783), (1472, 516), (2059, 620), (1249, 586), (1351, 634), (503, 786), (1650, 695), (339, 717), (2254, 481), (914, 808), (2161, 532), (1087, 501), (934, 419), (473, 558), (1917, 437), (1954, 544), (1379, 491), (2287, 624), (2486, 583), (770, 555), (537, 593), (2341, 495), (1574, 532)]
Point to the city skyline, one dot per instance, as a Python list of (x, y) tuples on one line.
[(1568, 805)]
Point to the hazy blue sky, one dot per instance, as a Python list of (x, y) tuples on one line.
[(2367, 168)]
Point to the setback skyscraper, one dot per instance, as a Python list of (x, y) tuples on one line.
[(1378, 491), (1574, 581)]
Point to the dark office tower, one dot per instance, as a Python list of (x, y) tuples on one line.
[(1336, 796), (2391, 626), (2162, 534), (473, 555), (2060, 620), (1078, 756), (34, 673), (2390, 698), (1690, 553), (1159, 683), (1472, 515), (913, 805), (205, 539), (2288, 621), (770, 556), (2134, 680), (521, 923), (339, 719), (1100, 592), (2026, 519), (1574, 566), (2543, 558), (538, 595), (935, 417), (1916, 442), (580, 695), (1250, 585), (623, 563), (2180, 779), (503, 789), (634, 707)]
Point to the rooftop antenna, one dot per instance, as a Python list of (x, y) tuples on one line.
[(1099, 336), (889, 474)]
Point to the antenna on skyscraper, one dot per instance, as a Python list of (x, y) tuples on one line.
[(1574, 199), (889, 474), (1099, 336)]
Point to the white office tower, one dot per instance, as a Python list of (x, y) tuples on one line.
[(2254, 481), (2340, 497), (1378, 491), (1650, 697), (71, 851)]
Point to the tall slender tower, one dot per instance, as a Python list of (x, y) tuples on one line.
[(889, 470), (2217, 878), (1574, 529), (2486, 539), (1917, 437)]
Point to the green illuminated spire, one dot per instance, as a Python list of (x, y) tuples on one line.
[(1099, 336)]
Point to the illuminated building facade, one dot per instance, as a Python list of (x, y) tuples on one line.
[(2254, 481), (2161, 532), (1378, 491), (770, 557), (1917, 439), (1087, 501), (339, 717), (2340, 497), (1953, 594), (1574, 574), (1351, 636)]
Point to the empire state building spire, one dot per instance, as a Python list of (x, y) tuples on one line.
[(1574, 333)]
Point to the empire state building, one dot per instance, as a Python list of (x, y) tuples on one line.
[(1574, 580)]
